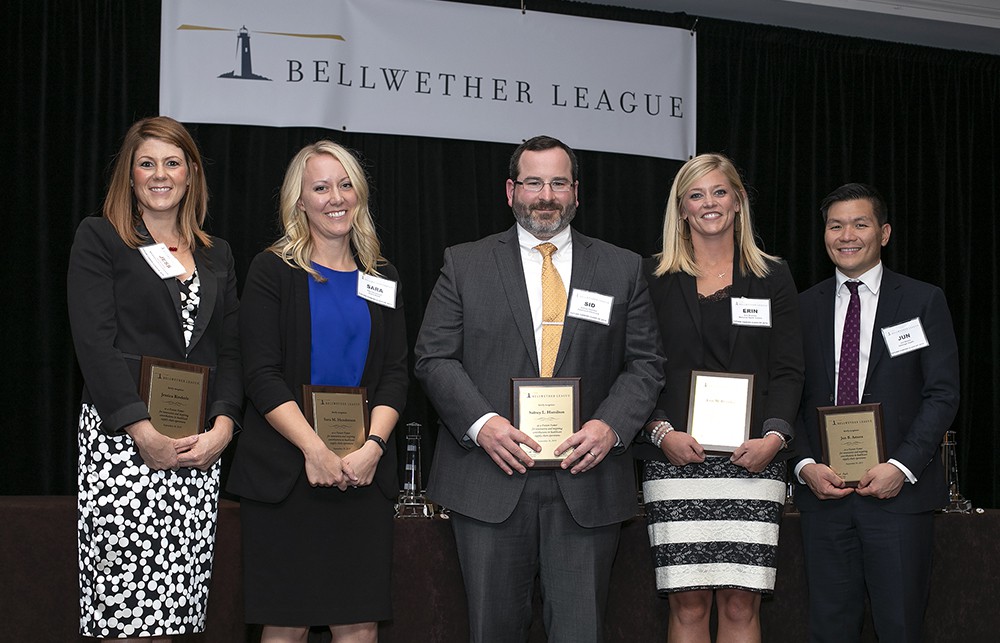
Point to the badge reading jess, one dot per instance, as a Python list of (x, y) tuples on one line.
[(164, 264), (377, 290), (905, 338), (751, 312), (590, 306)]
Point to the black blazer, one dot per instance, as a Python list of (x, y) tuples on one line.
[(773, 355), (919, 391), (120, 310), (276, 332)]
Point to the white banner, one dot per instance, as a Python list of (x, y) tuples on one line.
[(430, 68)]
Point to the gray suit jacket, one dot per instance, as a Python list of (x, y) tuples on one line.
[(477, 334)]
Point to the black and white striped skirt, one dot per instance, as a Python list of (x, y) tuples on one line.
[(713, 525)]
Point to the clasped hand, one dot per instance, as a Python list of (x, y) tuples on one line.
[(161, 453), (363, 462), (324, 468)]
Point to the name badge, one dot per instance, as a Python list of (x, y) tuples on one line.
[(377, 290), (905, 338), (590, 306), (751, 312), (164, 264)]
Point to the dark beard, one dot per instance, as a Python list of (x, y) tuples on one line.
[(544, 229)]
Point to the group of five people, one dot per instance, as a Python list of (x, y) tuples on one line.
[(317, 527)]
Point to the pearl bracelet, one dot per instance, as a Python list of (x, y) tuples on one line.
[(781, 436), (659, 432)]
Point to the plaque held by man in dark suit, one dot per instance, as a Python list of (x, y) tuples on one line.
[(176, 394), (852, 441), (339, 414), (548, 410)]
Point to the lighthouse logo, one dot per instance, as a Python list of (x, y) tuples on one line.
[(243, 64)]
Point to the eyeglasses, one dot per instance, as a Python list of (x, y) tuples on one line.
[(557, 185)]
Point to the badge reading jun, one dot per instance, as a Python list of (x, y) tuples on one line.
[(905, 338)]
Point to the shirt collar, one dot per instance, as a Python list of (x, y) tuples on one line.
[(871, 279), (528, 241)]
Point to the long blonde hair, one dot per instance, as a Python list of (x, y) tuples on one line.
[(677, 254), (295, 245), (121, 207)]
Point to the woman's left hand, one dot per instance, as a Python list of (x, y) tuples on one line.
[(754, 455), (364, 462), (210, 445)]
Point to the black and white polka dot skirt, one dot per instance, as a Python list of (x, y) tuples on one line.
[(146, 539)]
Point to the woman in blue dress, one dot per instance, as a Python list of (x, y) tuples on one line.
[(317, 527)]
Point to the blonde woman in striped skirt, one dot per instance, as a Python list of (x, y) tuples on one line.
[(713, 517)]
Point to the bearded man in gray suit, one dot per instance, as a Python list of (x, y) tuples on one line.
[(483, 326)]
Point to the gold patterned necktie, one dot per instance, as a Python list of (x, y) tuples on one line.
[(553, 309)]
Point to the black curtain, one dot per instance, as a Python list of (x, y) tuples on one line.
[(799, 112)]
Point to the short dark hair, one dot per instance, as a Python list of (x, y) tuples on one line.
[(853, 192), (538, 144)]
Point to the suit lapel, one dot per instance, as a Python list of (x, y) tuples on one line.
[(209, 287), (507, 255), (173, 291), (584, 266), (889, 298)]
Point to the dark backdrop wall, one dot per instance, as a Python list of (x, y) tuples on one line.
[(799, 112)]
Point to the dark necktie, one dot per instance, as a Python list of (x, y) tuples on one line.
[(850, 350)]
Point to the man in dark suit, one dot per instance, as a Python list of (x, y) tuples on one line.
[(879, 535), (483, 326)]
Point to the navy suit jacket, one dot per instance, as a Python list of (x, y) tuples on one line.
[(120, 310), (477, 334), (919, 391), (276, 333)]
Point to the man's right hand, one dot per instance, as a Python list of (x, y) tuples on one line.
[(824, 483), (502, 442)]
